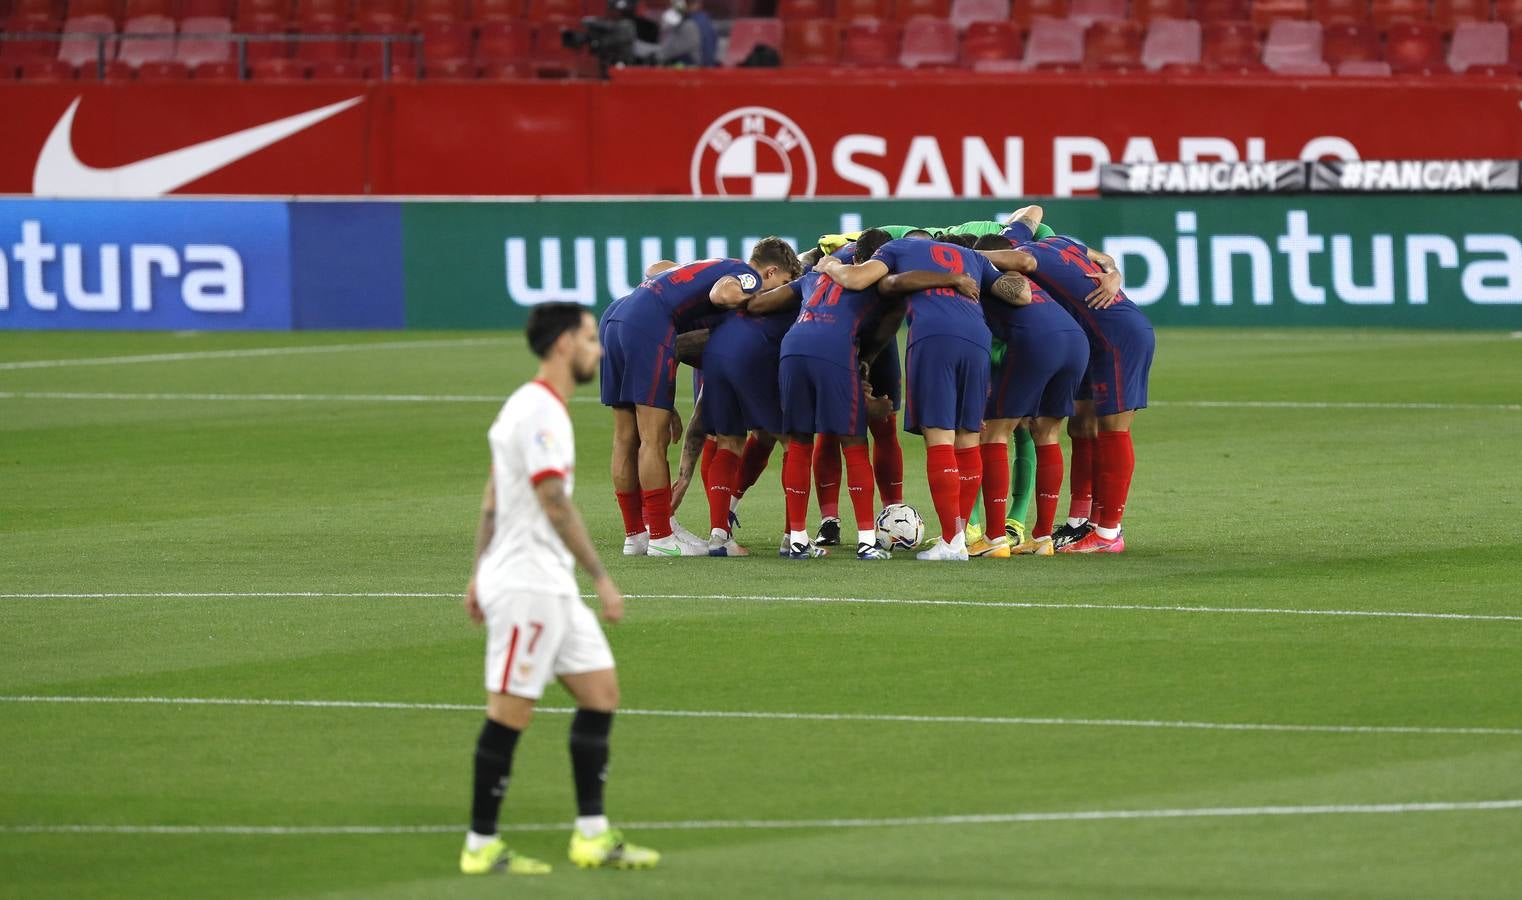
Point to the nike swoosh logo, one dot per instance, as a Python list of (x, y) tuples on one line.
[(59, 172)]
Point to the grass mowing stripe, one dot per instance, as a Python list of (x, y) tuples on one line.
[(245, 352), (1093, 815), (484, 398), (764, 598), (796, 716)]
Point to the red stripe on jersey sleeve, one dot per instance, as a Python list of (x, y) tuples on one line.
[(542, 474)]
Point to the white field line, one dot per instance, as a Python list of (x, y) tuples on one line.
[(1028, 721), (240, 353), (764, 598), (1093, 815), (585, 398)]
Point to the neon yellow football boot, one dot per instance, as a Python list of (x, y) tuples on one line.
[(609, 849), (1014, 529), (1041, 546), (495, 857), (974, 533), (998, 548)]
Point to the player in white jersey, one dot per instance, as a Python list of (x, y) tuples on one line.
[(523, 589)]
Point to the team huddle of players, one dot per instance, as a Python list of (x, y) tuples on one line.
[(1012, 330)]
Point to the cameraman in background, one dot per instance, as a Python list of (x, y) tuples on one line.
[(688, 36)]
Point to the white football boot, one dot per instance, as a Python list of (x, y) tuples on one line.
[(940, 550), (636, 544)]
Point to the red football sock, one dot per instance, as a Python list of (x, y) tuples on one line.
[(710, 447), (887, 459), (752, 463), (1117, 461), (1081, 482), (945, 479), (634, 516), (795, 484), (859, 485), (1048, 487), (970, 469), (995, 486), (827, 474), (657, 504), (722, 475)]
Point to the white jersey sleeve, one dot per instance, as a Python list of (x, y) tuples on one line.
[(531, 441)]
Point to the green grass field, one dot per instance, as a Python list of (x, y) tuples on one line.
[(309, 545)]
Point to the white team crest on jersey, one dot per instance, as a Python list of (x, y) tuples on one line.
[(545, 439), (747, 282), (753, 152)]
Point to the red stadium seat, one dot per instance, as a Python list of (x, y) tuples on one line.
[(506, 71), (163, 70), (1350, 42), (904, 10), (928, 42), (191, 9), (450, 70), (1477, 44), (249, 9), (496, 10), (990, 42), (1504, 72), (1389, 12), (504, 42), (279, 69), (1113, 45), (48, 70), (115, 70), (1025, 12), (325, 40), (258, 26), (1266, 12), (135, 8), (1293, 46), (425, 11), (1221, 10), (870, 43), (1086, 12), (1053, 43), (1146, 11), (544, 10), (446, 40), (215, 71), (193, 51), (1171, 42), (552, 59), (81, 50), (804, 9), (81, 8), (966, 12), (1509, 11), (1184, 70), (1230, 45), (811, 42), (135, 52), (396, 9), (1333, 12), (337, 70), (855, 10), (1415, 48), (746, 34), (383, 25), (1364, 68), (26, 50), (1447, 14)]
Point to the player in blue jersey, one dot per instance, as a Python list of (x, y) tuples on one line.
[(639, 373), (1034, 384), (739, 396), (1121, 345), (947, 368)]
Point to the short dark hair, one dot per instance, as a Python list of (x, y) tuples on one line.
[(961, 240), (993, 242), (548, 321), (918, 233), (869, 241), (774, 251)]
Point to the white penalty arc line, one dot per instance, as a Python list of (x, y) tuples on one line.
[(243, 352), (1092, 815), (226, 397), (1026, 721), (764, 598)]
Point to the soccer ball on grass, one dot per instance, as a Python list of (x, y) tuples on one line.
[(899, 527)]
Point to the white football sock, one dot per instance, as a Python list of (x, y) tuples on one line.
[(798, 537), (1108, 534), (591, 826), (866, 536), (1074, 523), (474, 842)]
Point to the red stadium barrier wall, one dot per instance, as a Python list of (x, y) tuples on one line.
[(736, 134)]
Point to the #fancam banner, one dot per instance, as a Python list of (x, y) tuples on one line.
[(1365, 176)]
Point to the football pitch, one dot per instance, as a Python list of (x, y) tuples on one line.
[(235, 662)]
